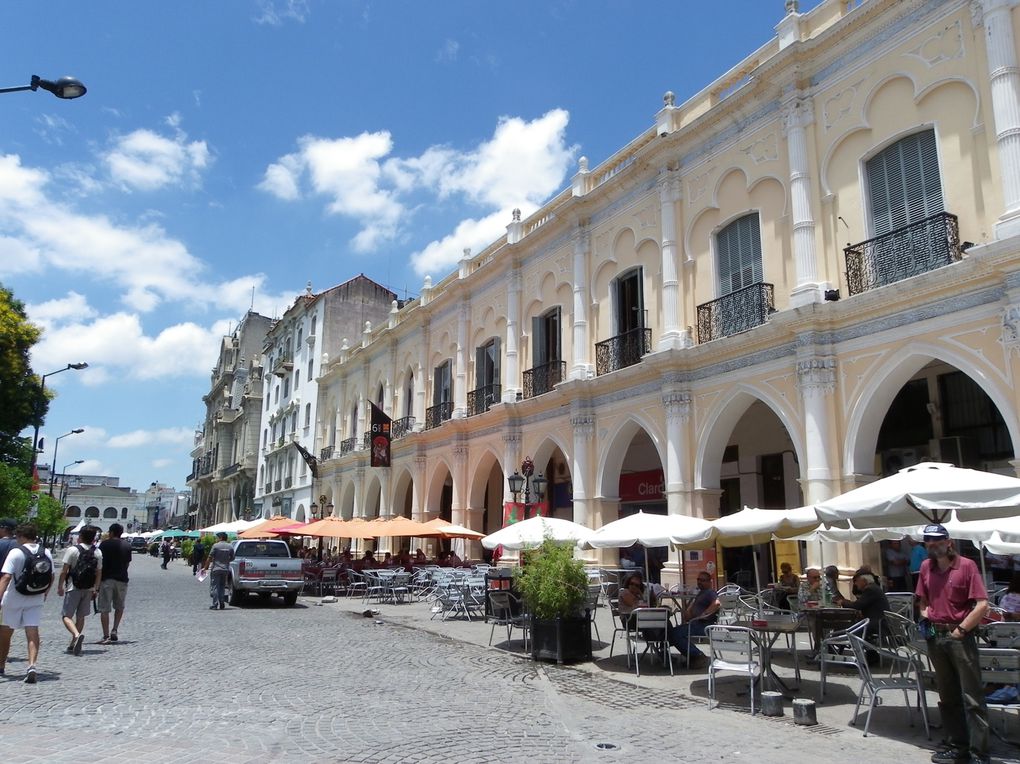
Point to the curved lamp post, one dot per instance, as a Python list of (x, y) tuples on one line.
[(66, 87), (63, 482), (527, 481), (42, 392), (56, 446)]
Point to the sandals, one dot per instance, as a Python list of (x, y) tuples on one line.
[(113, 635)]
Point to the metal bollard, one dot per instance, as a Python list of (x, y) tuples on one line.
[(804, 711), (772, 703)]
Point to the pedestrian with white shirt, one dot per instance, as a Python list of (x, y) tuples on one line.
[(25, 580), (79, 584)]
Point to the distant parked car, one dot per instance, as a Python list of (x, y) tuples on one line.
[(139, 544)]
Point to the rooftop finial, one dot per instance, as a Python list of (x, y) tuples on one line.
[(308, 288), (517, 214), (669, 97), (791, 6)]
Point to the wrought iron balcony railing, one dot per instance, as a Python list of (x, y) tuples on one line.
[(542, 379), (479, 401), (191, 476), (228, 471), (436, 415), (288, 481), (326, 454), (736, 312), (366, 441), (622, 351), (347, 445), (402, 427), (908, 251), (269, 487), (277, 485)]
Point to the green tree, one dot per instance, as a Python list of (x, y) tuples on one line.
[(22, 401), (50, 517), (15, 491)]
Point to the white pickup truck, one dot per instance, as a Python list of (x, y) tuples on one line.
[(265, 568)]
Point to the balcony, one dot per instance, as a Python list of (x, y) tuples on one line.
[(288, 481), (436, 415), (326, 454), (366, 441), (347, 445), (736, 312), (269, 487), (479, 401), (622, 351), (192, 476), (541, 379), (228, 471), (277, 485), (402, 427), (226, 415), (283, 365), (908, 251), (207, 464)]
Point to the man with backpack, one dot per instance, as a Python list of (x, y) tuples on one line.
[(7, 541), (79, 584), (25, 580)]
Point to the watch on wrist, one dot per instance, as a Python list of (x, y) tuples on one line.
[(963, 631)]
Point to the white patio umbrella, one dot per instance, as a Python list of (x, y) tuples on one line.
[(532, 532), (648, 530), (996, 545), (925, 493)]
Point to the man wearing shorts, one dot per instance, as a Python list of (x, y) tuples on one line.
[(77, 601), (113, 589), (20, 611)]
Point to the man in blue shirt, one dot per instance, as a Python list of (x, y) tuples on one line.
[(698, 616)]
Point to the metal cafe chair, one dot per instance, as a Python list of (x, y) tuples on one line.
[(649, 625), (505, 609), (836, 650), (907, 681), (735, 649)]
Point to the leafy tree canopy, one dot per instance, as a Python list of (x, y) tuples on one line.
[(22, 401)]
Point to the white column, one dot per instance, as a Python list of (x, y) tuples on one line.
[(511, 461), (583, 423), (385, 502), (460, 384), (676, 402), (816, 380), (797, 115), (511, 371), (669, 194), (419, 510), (420, 379), (582, 248), (458, 509), (1004, 81)]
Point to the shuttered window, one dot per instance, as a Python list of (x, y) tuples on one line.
[(903, 183), (738, 247), (487, 364), (545, 338)]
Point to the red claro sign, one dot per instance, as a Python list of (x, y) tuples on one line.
[(642, 486)]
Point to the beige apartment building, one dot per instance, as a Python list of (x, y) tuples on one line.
[(805, 276)]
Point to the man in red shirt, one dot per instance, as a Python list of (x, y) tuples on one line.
[(953, 600)]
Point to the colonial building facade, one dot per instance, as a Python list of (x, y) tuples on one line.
[(316, 328), (689, 317)]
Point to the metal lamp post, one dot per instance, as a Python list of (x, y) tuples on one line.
[(527, 481), (38, 418), (66, 87), (63, 482), (53, 474)]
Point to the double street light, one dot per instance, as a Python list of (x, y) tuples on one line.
[(66, 87), (527, 481), (320, 511), (38, 419), (63, 481), (56, 446)]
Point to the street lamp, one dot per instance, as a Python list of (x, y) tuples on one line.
[(527, 481), (53, 472), (318, 511), (63, 482), (66, 87), (42, 397)]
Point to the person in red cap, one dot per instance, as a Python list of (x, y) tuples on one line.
[(953, 601)]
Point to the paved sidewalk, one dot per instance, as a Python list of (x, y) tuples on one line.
[(889, 723)]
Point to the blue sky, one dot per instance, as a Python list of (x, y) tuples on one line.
[(259, 144)]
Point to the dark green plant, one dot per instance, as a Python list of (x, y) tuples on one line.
[(552, 582)]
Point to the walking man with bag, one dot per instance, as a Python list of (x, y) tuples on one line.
[(220, 557), (25, 580), (79, 584)]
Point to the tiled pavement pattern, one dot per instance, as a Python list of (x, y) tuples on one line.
[(268, 684)]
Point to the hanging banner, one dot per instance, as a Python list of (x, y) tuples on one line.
[(513, 511), (380, 437)]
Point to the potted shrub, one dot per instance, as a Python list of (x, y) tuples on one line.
[(555, 589)]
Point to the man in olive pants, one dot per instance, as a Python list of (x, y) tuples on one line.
[(218, 564)]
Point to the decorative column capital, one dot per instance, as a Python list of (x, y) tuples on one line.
[(581, 238), (670, 185), (816, 376), (677, 403), (798, 112), (359, 474), (512, 437), (1011, 328), (584, 425), (460, 454)]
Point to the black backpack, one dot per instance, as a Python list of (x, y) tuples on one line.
[(83, 574), (37, 573)]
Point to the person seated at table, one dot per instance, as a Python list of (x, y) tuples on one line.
[(832, 584), (387, 560), (631, 595), (871, 602), (454, 560), (789, 584), (368, 559), (419, 556), (853, 582), (811, 588), (1010, 602), (698, 616)]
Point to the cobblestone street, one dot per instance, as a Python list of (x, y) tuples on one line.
[(264, 683)]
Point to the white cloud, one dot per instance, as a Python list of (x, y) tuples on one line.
[(440, 256), (449, 51), (276, 12), (147, 161), (160, 463), (89, 467), (18, 256), (521, 165), (175, 436), (52, 312)]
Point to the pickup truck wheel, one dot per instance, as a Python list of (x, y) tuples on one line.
[(290, 599), (233, 595)]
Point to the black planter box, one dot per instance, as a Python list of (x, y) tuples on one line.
[(564, 640)]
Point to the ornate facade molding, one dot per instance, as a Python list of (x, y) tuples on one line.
[(677, 404), (816, 376), (1011, 328), (798, 112), (584, 425)]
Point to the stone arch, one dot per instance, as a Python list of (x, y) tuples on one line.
[(110, 513), (92, 511), (721, 421), (607, 476), (480, 473), (73, 512), (372, 503), (876, 396), (401, 493), (345, 509), (441, 472)]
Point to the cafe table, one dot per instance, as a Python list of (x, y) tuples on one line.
[(769, 629)]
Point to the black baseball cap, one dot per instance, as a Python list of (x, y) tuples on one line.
[(9, 524), (935, 532)]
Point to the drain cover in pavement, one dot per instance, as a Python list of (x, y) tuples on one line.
[(606, 746)]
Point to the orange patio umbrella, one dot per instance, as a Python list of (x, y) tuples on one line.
[(261, 531), (401, 526), (439, 528), (294, 529), (334, 527)]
